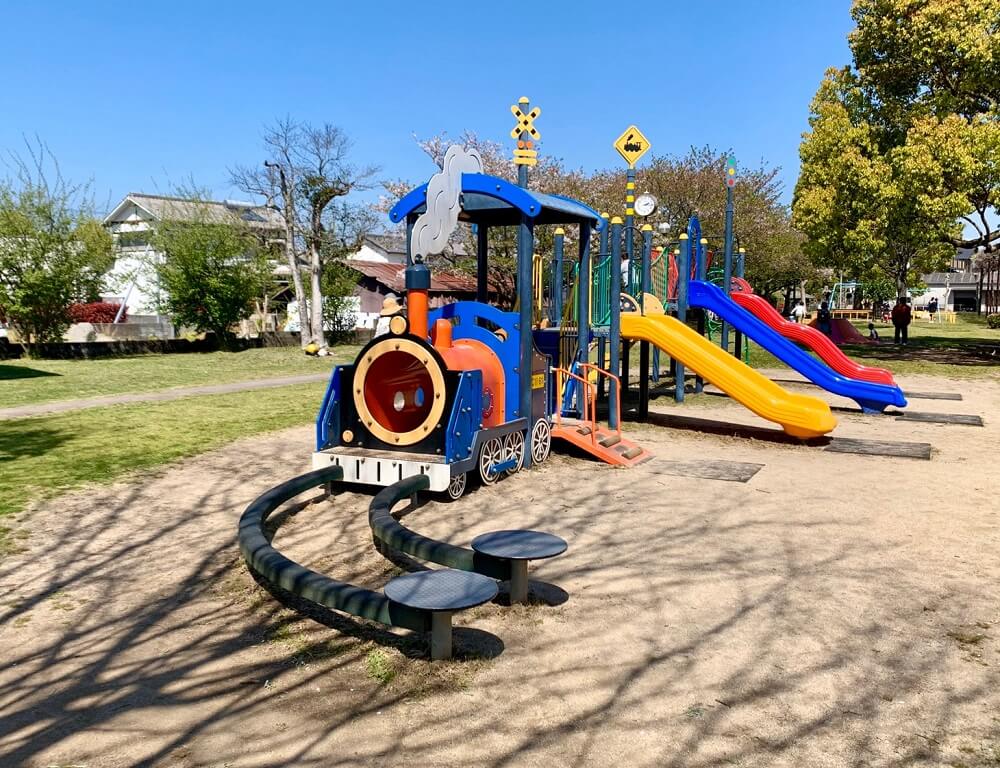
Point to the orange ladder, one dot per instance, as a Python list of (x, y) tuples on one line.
[(585, 433)]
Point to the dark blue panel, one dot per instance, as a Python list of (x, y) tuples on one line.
[(328, 420), (870, 396), (466, 416)]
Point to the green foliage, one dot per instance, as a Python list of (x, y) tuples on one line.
[(993, 321), (340, 284), (211, 273), (53, 252), (904, 146)]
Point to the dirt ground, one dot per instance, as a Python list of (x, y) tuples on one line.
[(835, 610)]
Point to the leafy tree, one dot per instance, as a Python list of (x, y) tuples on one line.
[(211, 272), (904, 146), (307, 169), (53, 252)]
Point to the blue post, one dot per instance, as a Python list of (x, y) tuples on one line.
[(629, 218), (602, 349), (482, 264), (614, 331), (683, 277), (647, 252), (525, 253), (556, 286), (740, 271), (583, 305)]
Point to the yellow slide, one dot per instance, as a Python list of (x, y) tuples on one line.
[(801, 416)]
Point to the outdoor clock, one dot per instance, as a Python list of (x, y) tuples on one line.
[(645, 205)]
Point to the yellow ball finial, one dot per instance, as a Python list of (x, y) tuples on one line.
[(704, 241), (647, 227), (523, 100), (560, 231), (605, 215), (684, 235), (743, 250), (616, 220)]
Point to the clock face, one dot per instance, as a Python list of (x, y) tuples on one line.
[(645, 205)]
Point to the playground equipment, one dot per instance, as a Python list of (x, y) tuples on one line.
[(808, 336)]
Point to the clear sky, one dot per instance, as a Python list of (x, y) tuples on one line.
[(144, 96)]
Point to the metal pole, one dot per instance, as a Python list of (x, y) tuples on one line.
[(482, 269), (647, 251), (556, 288), (683, 276), (410, 220), (629, 215), (614, 331)]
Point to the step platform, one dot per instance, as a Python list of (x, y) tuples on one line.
[(602, 443)]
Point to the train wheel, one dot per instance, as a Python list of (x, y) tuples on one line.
[(541, 441), (490, 455), (457, 486), (513, 448)]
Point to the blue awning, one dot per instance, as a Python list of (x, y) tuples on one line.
[(492, 201)]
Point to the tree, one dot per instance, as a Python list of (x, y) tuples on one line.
[(307, 168), (211, 272), (855, 200), (904, 146), (53, 252)]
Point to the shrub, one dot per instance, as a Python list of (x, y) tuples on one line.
[(993, 321), (95, 312)]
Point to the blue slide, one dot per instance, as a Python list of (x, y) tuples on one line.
[(873, 398)]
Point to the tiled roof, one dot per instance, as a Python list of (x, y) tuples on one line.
[(396, 244), (951, 278), (165, 208), (392, 276)]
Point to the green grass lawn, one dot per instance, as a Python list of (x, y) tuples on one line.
[(43, 456), (38, 381)]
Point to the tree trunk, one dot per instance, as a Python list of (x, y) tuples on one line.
[(316, 302)]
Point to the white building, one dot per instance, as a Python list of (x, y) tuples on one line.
[(132, 222)]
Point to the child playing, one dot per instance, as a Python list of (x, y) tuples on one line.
[(872, 333)]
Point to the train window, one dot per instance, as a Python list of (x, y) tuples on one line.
[(418, 397), (399, 401)]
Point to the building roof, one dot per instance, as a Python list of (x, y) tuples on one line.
[(166, 208), (951, 278), (393, 276)]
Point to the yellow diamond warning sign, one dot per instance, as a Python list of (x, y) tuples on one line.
[(632, 145)]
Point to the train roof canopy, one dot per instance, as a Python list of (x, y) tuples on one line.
[(492, 201)]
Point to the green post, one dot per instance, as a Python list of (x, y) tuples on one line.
[(683, 276), (614, 331)]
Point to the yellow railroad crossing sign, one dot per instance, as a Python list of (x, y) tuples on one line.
[(525, 122), (632, 145)]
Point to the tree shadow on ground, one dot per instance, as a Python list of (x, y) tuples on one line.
[(11, 372), (19, 439), (965, 351)]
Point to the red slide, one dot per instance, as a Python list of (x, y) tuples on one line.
[(811, 338)]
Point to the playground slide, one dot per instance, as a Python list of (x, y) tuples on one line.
[(799, 415), (872, 398), (818, 342), (844, 332)]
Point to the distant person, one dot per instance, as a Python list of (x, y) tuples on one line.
[(799, 312), (390, 309), (901, 317), (872, 333), (824, 319), (932, 307)]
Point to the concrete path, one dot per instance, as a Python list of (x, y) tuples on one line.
[(159, 396)]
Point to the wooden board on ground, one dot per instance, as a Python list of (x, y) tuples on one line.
[(730, 471), (933, 395), (890, 448), (968, 419)]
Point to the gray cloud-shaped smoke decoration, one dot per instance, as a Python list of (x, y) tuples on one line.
[(433, 227)]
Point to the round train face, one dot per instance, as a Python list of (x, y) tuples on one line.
[(399, 391)]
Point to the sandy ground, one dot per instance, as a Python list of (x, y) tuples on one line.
[(836, 610)]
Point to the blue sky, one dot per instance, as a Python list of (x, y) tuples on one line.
[(144, 96)]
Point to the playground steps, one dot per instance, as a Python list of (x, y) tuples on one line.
[(604, 444)]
